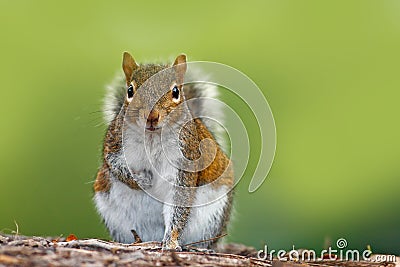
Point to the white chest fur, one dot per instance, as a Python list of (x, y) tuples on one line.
[(124, 209)]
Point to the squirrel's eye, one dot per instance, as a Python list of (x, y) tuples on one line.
[(130, 91), (175, 92)]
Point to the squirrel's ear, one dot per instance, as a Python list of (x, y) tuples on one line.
[(128, 65), (180, 67)]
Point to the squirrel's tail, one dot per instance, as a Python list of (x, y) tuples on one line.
[(114, 99)]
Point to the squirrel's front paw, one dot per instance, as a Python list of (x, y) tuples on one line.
[(144, 179), (171, 248), (171, 245)]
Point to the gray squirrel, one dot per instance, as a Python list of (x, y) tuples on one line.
[(158, 176)]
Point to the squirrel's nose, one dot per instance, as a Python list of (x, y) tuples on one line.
[(152, 117)]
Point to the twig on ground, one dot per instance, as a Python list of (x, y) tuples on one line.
[(205, 240)]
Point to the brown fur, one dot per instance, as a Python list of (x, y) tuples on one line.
[(112, 144), (220, 170), (102, 182)]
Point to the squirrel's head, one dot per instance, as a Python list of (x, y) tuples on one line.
[(153, 92)]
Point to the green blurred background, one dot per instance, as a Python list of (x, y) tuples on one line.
[(329, 69)]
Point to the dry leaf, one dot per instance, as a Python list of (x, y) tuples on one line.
[(71, 237)]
